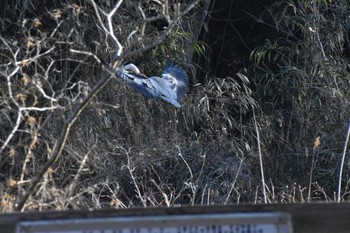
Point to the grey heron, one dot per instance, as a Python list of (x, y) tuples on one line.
[(171, 86)]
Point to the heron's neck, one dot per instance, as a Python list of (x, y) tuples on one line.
[(139, 74)]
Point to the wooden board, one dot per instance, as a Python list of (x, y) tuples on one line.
[(273, 222), (306, 217)]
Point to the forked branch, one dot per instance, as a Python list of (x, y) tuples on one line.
[(108, 74)]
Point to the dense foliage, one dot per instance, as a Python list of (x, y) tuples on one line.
[(274, 103)]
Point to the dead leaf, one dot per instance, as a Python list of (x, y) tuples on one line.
[(58, 14), (37, 23), (24, 62), (317, 143), (21, 97), (30, 43), (77, 8), (11, 183), (31, 121), (50, 170), (11, 152), (25, 80)]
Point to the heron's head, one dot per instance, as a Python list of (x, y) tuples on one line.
[(128, 66)]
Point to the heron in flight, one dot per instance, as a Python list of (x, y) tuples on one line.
[(171, 86)]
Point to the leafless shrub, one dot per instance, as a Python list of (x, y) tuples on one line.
[(50, 73)]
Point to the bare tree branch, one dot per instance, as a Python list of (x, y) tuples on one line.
[(110, 29), (108, 74), (61, 141), (14, 130), (160, 39)]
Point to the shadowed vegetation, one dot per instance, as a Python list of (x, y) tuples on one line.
[(283, 67)]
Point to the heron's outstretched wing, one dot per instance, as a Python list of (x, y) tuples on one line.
[(138, 82), (176, 78), (162, 89), (171, 87)]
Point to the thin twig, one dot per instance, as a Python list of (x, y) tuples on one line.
[(166, 199), (78, 174), (164, 35), (86, 53), (110, 29), (342, 162), (234, 182), (308, 199), (60, 143), (260, 157), (183, 159), (14, 130), (133, 178)]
